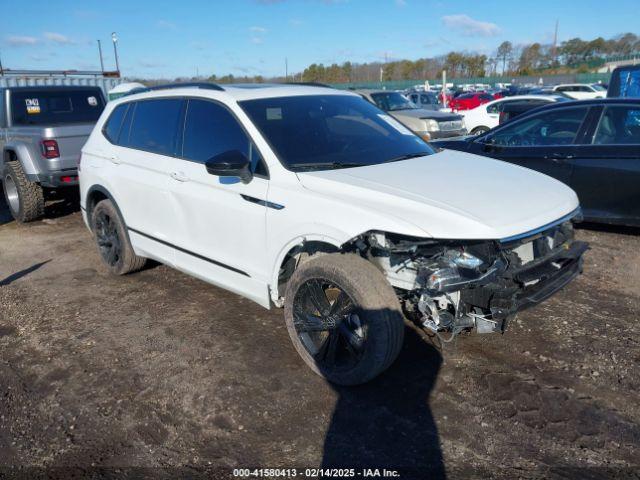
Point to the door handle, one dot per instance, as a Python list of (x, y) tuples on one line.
[(114, 159), (558, 157), (179, 176)]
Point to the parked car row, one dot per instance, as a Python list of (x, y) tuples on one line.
[(332, 204), (488, 115)]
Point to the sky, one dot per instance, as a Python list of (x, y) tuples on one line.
[(158, 39)]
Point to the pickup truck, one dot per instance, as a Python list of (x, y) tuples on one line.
[(42, 130)]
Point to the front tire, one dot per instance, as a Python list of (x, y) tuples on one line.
[(113, 242), (344, 318), (25, 198)]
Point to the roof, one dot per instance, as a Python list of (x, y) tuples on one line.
[(586, 103), (239, 92), (551, 97), (53, 87), (369, 91)]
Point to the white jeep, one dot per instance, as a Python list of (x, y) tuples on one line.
[(312, 199)]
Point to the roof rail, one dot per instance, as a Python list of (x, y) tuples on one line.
[(203, 85)]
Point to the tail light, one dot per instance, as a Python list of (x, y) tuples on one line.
[(50, 149)]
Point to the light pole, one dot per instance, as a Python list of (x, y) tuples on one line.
[(101, 61), (114, 39)]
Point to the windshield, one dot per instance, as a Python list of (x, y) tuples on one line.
[(390, 101), (56, 106), (319, 132)]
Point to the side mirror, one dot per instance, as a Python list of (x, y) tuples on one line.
[(230, 164)]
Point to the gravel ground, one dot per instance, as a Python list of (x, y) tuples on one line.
[(160, 375)]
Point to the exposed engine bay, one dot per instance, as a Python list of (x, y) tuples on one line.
[(455, 286)]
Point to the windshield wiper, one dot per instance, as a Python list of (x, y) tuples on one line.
[(324, 165), (406, 157)]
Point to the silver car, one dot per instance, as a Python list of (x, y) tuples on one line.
[(429, 124)]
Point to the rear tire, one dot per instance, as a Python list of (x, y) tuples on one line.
[(113, 242), (479, 130), (24, 198), (344, 318)]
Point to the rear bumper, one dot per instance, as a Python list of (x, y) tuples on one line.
[(57, 178)]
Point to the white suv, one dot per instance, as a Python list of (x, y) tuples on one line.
[(312, 199)]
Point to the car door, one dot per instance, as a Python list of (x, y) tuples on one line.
[(542, 142), (219, 222), (139, 166), (606, 166)]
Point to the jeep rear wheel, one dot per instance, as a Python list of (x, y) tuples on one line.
[(115, 249), (343, 318), (25, 198)]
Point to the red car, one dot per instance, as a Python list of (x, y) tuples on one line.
[(468, 101)]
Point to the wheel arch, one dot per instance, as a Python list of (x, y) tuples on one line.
[(310, 244), (97, 193), (19, 152)]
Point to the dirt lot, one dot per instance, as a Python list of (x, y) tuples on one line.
[(158, 374)]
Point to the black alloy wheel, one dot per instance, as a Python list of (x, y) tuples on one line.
[(328, 325), (108, 239)]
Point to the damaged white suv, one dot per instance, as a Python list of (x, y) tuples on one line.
[(312, 199)]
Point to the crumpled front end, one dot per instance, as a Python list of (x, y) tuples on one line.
[(454, 286)]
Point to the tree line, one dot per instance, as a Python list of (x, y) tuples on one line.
[(574, 55), (571, 56)]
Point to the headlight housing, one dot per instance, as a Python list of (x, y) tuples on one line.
[(457, 268), (432, 125)]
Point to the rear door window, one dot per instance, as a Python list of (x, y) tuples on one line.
[(619, 125), (56, 106), (155, 125)]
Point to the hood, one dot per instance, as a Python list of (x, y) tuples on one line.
[(451, 195), (423, 113)]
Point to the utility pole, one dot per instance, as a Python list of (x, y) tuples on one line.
[(444, 88), (286, 70), (114, 39), (554, 49), (1, 69), (100, 52)]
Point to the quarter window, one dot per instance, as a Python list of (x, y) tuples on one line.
[(618, 125), (495, 107), (113, 125), (557, 127), (155, 125), (210, 129)]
